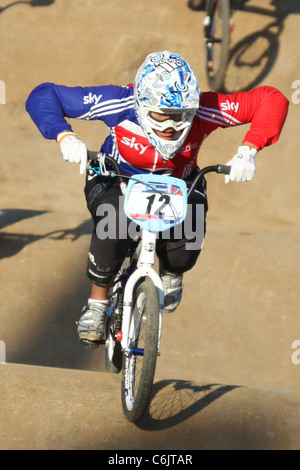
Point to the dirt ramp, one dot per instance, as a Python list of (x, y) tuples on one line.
[(50, 408)]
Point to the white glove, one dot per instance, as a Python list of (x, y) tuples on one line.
[(73, 150), (242, 165)]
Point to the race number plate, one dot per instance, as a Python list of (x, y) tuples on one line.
[(156, 202)]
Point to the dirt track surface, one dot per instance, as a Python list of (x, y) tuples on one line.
[(225, 378)]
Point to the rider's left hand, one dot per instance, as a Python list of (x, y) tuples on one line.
[(242, 165)]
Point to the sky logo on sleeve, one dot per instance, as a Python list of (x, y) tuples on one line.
[(91, 98), (227, 106)]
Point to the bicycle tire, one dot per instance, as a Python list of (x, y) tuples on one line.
[(138, 370), (217, 42), (113, 351)]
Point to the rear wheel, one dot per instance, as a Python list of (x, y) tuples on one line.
[(113, 351), (217, 41), (139, 362)]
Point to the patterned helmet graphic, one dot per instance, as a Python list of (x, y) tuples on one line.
[(165, 83)]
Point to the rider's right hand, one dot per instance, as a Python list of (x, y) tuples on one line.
[(73, 150)]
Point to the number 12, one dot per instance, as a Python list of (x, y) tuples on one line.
[(163, 197)]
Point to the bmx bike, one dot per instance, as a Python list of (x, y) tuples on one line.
[(155, 203), (217, 29)]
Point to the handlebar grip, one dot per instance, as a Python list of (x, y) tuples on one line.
[(93, 155), (224, 169)]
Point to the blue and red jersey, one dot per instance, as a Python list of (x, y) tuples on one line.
[(52, 106)]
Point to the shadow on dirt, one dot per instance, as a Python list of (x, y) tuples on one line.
[(11, 216), (253, 57), (54, 341), (12, 243), (175, 401), (33, 3), (220, 417)]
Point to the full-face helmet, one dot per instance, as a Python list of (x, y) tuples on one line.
[(166, 84)]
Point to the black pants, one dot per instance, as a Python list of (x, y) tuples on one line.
[(177, 248)]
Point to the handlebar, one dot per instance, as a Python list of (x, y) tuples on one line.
[(93, 155), (220, 169), (101, 158)]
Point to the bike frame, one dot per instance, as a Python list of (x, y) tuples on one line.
[(146, 189), (145, 268)]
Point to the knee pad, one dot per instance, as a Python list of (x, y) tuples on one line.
[(101, 279)]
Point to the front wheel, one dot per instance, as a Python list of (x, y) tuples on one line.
[(139, 362)]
